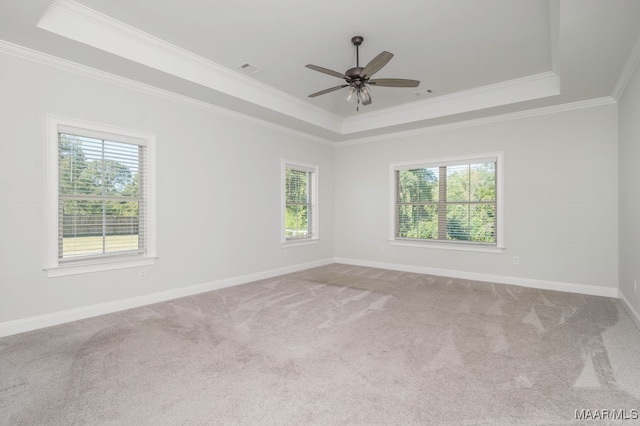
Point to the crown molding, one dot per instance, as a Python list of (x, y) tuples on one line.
[(85, 71), (628, 70), (82, 24), (589, 103), (507, 92)]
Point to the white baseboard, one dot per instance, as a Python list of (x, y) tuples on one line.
[(47, 320), (41, 321), (476, 276), (629, 308)]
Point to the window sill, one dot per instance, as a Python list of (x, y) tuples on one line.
[(448, 246), (295, 243), (97, 266)]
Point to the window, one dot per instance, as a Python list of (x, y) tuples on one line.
[(300, 202), (101, 207), (455, 201)]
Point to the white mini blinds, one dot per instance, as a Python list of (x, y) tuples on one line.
[(300, 202), (102, 197), (101, 209), (452, 201)]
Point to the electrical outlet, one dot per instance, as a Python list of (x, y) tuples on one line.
[(516, 260), (143, 274)]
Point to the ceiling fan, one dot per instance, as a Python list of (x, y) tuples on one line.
[(358, 78)]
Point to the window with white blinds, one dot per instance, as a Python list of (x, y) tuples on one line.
[(453, 201), (300, 202), (101, 196), (103, 208)]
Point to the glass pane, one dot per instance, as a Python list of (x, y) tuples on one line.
[(417, 185), (483, 223), (72, 166), (417, 221), (405, 221), (97, 227), (296, 223), (81, 228), (427, 220), (121, 226), (458, 222), (458, 183), (296, 186), (483, 182), (116, 243), (81, 246), (96, 167)]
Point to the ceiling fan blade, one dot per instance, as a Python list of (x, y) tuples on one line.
[(326, 71), (394, 82), (329, 90), (376, 64)]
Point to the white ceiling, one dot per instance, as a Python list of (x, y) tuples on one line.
[(480, 58)]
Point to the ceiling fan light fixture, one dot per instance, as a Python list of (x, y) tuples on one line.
[(364, 95), (352, 95)]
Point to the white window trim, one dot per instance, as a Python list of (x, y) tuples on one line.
[(283, 201), (52, 265), (450, 245)]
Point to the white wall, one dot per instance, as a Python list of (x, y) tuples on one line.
[(629, 179), (214, 172), (561, 214)]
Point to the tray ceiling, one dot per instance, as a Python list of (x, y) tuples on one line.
[(478, 58)]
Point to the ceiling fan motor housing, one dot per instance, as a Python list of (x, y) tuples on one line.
[(354, 73)]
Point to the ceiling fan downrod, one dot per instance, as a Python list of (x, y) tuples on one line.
[(357, 41), (356, 82)]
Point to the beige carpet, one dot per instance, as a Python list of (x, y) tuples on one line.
[(332, 345)]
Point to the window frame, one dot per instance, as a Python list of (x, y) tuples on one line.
[(498, 247), (314, 226), (54, 267)]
